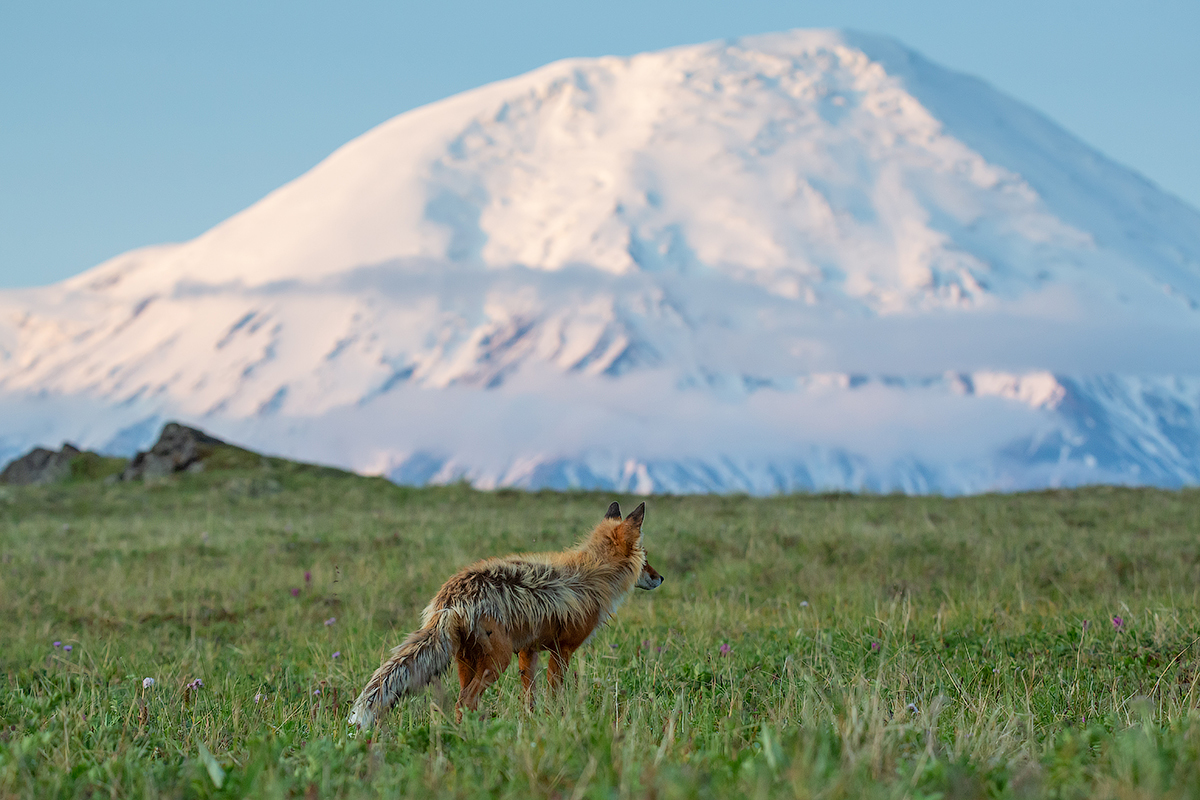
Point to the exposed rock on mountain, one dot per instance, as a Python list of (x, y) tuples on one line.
[(178, 448), (40, 466)]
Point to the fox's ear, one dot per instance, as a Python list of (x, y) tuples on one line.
[(614, 511), (634, 520)]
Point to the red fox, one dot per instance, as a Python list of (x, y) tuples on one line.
[(523, 604)]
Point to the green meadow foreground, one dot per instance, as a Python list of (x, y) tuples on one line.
[(809, 646)]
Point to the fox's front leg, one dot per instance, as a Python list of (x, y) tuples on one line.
[(560, 659), (527, 660)]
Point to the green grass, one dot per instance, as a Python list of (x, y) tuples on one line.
[(877, 646)]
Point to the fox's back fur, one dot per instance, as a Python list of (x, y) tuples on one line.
[(520, 603)]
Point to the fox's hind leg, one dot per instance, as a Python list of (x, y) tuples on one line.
[(493, 653), (466, 670), (527, 660)]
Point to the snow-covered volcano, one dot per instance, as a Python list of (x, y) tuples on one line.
[(803, 260)]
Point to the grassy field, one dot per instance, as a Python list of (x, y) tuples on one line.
[(809, 646)]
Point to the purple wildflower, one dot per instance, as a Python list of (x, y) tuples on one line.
[(67, 647), (725, 648), (258, 698), (295, 592), (337, 654), (196, 684), (147, 683), (316, 692), (58, 644), (307, 576), (330, 621), (1118, 623), (874, 647), (1086, 624)]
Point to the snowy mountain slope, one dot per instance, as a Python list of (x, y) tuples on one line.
[(802, 260)]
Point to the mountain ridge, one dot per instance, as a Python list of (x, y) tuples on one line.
[(776, 234)]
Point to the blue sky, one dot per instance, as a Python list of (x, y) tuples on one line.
[(133, 123)]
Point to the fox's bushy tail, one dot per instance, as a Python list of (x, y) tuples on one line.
[(421, 657)]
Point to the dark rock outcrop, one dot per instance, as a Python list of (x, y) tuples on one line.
[(178, 448), (40, 466)]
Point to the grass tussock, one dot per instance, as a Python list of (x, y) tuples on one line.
[(809, 646)]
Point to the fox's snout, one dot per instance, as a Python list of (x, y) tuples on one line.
[(649, 579)]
